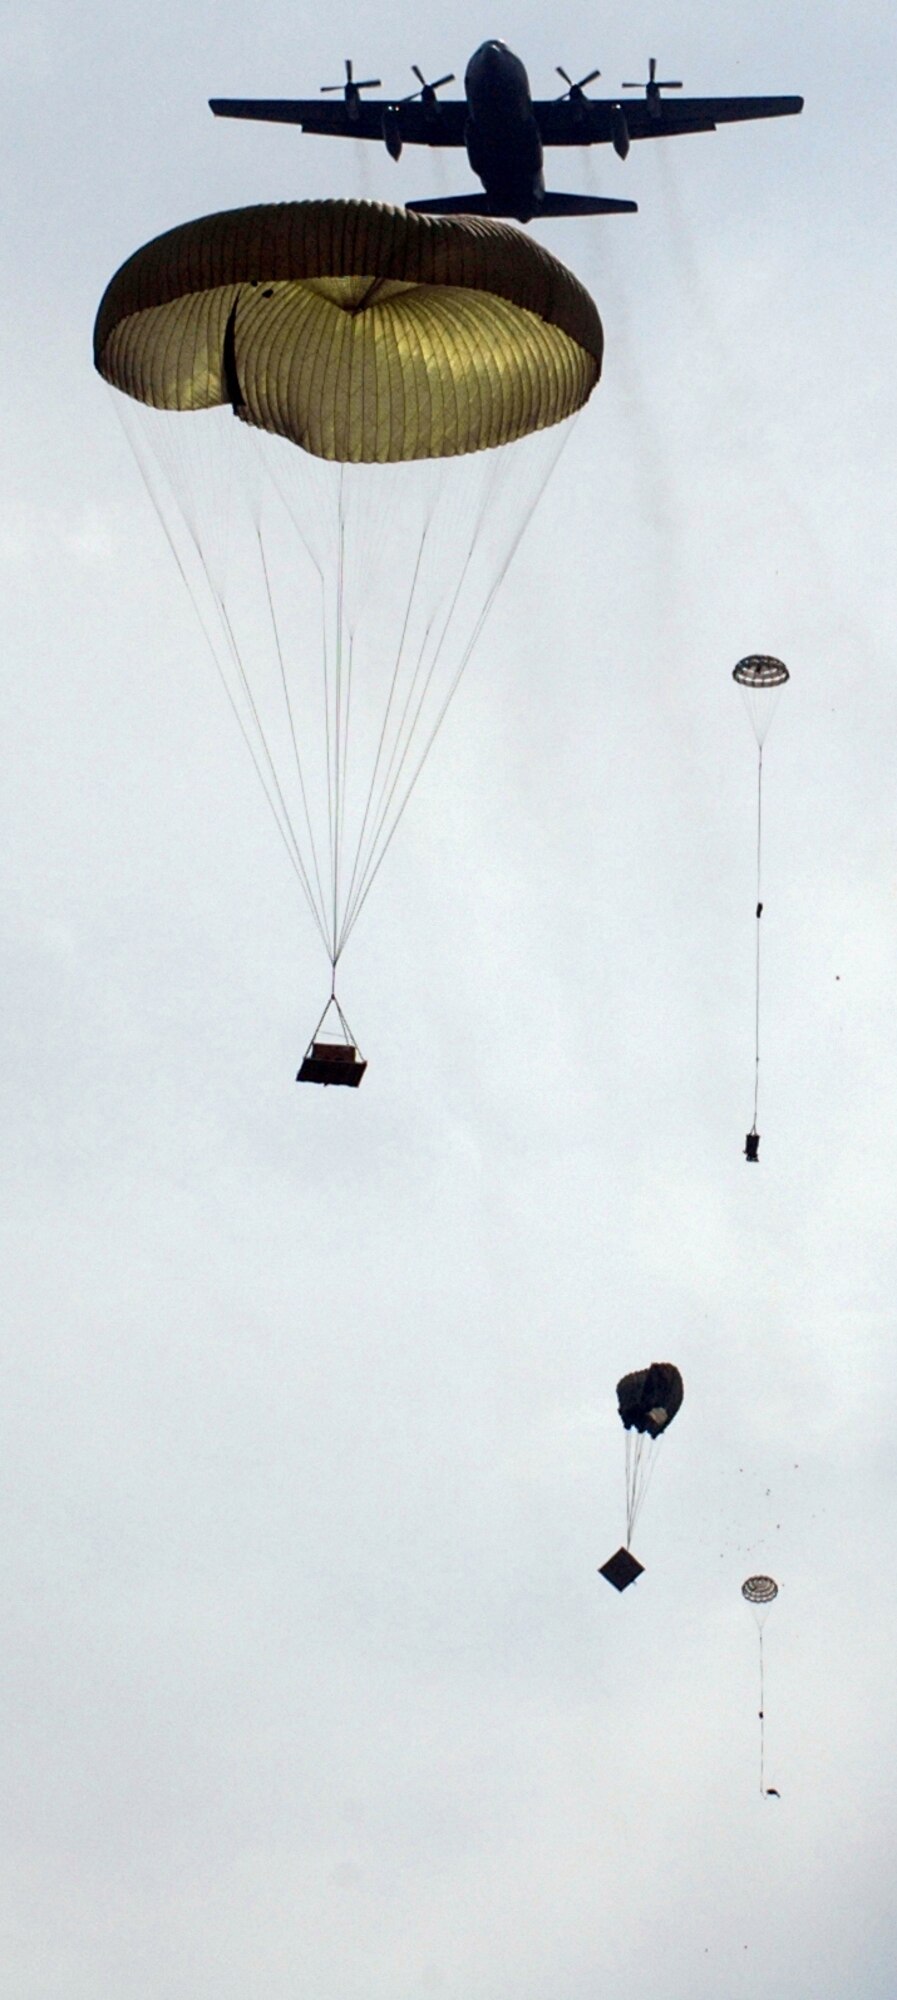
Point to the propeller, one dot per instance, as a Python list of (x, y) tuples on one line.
[(427, 91), (351, 89), (652, 88), (576, 91)]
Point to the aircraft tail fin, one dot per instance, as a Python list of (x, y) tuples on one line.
[(549, 204)]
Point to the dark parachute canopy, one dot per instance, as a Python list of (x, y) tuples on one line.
[(648, 1400), (425, 367), (650, 1397)]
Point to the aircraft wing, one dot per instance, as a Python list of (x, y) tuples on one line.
[(441, 124), (593, 121)]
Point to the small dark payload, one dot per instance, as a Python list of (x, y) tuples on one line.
[(621, 1569), (339, 1059), (752, 1147)]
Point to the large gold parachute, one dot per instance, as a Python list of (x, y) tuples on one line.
[(362, 333), (426, 367)]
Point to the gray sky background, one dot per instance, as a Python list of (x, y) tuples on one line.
[(310, 1450)]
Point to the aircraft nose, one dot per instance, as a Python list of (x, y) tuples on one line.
[(485, 59)]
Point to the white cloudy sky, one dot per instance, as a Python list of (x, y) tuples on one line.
[(310, 1450)]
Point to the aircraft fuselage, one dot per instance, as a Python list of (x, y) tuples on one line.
[(503, 142)]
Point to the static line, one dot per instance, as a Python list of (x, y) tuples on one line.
[(759, 908), (762, 1724)]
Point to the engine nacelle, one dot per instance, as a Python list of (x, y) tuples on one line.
[(619, 131), (392, 137)]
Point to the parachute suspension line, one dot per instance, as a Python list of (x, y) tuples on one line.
[(760, 1592), (500, 471), (761, 679), (328, 761), (640, 1469), (332, 1001), (335, 803), (338, 705), (320, 901), (630, 1482), (132, 436), (417, 692), (357, 890), (759, 907), (326, 920), (397, 760), (341, 826), (252, 707), (762, 1723), (635, 1451), (344, 714), (285, 823), (455, 683), (650, 1471), (337, 723), (285, 830)]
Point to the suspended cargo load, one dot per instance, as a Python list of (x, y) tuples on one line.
[(621, 1569), (647, 1401), (335, 1060), (425, 367), (332, 1062)]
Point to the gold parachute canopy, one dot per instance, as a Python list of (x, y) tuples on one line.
[(363, 333)]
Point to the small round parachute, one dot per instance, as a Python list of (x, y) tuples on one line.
[(649, 1398), (363, 333), (760, 670), (759, 1589), (761, 679)]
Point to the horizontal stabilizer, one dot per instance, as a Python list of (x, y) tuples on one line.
[(549, 204), (452, 204), (583, 204)]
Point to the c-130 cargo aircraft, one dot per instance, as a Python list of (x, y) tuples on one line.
[(504, 130)]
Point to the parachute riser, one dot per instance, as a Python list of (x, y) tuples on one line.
[(332, 1062), (759, 909)]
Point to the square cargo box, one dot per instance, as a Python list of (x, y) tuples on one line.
[(622, 1569)]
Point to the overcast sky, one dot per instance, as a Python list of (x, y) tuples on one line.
[(310, 1447)]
